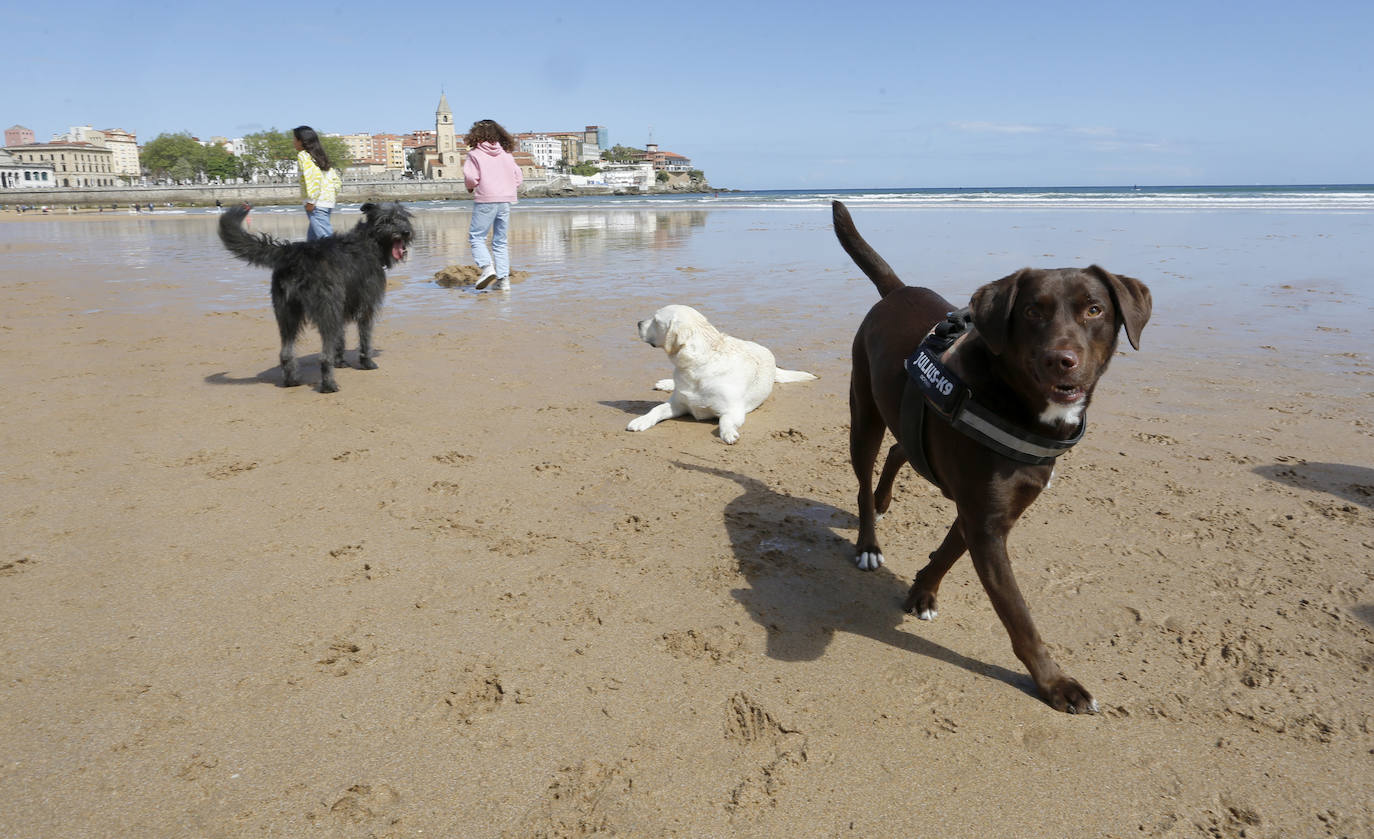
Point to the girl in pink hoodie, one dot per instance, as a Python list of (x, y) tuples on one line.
[(492, 177)]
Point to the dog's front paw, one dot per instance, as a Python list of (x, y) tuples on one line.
[(640, 424), (366, 363), (1069, 696), (664, 384), (729, 435), (329, 387), (921, 604), (869, 560)]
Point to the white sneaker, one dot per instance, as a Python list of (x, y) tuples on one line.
[(488, 274), (502, 284)]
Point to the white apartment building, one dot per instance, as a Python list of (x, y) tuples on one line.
[(545, 150), (639, 176)]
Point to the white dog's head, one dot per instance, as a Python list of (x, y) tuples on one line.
[(678, 330)]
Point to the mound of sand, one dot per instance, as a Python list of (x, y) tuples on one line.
[(460, 276)]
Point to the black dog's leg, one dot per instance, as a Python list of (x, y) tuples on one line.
[(365, 340), (339, 350), (289, 320), (328, 384), (330, 337)]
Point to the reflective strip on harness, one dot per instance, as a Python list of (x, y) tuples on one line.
[(1015, 443)]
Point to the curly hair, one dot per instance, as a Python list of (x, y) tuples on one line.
[(489, 131)]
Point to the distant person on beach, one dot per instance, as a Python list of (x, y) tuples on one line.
[(492, 176), (320, 182)]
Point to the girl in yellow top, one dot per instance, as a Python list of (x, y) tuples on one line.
[(320, 182)]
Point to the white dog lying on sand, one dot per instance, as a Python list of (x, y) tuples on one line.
[(715, 375)]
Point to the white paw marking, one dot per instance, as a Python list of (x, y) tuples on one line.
[(927, 615), (663, 384), (869, 561)]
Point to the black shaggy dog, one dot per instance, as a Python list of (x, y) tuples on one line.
[(327, 282)]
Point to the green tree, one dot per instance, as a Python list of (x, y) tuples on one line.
[(622, 154), (164, 151), (269, 153), (337, 150), (273, 153), (695, 175), (661, 177), (182, 170), (585, 169), (217, 162)]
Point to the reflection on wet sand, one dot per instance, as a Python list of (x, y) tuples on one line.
[(543, 238)]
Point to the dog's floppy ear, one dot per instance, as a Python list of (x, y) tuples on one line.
[(676, 334), (369, 209), (1131, 298), (991, 308)]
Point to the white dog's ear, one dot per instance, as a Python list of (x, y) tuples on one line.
[(675, 336)]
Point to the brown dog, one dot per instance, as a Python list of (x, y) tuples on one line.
[(1040, 339)]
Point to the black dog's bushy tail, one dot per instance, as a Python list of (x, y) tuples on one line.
[(255, 249), (863, 255)]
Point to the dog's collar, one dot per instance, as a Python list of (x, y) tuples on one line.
[(952, 399)]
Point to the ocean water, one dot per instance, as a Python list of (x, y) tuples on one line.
[(1232, 269)]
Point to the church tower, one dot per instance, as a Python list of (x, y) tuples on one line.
[(443, 126), (448, 164)]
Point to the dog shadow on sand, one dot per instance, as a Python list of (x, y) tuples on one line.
[(1354, 484), (802, 588), (309, 372)]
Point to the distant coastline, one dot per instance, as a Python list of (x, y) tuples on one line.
[(206, 195)]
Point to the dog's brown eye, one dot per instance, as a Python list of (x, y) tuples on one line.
[(1032, 313), (1094, 311)]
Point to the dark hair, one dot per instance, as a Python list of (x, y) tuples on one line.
[(489, 131), (311, 141)]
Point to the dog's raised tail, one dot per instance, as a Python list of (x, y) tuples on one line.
[(863, 255), (781, 375), (254, 248)]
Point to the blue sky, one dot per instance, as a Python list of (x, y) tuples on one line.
[(758, 94)]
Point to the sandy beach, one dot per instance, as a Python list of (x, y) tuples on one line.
[(458, 599)]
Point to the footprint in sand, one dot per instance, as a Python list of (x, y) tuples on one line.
[(774, 750), (370, 804)]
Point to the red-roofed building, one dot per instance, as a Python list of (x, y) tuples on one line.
[(666, 160)]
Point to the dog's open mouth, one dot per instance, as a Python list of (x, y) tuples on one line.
[(1066, 394), (398, 249)]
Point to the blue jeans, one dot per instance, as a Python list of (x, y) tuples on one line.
[(320, 226), (493, 217)]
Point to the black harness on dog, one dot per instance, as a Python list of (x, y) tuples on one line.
[(930, 385)]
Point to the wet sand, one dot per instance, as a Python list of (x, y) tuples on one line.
[(458, 599)]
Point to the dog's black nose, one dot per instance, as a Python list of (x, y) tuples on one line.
[(1063, 359)]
